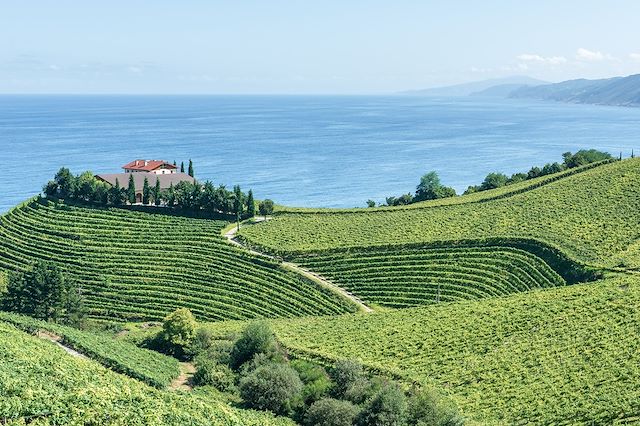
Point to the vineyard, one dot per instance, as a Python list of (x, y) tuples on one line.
[(569, 355), (411, 276), (148, 366), (592, 216), (141, 266), (41, 385)]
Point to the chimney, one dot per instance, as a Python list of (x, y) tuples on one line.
[(145, 162)]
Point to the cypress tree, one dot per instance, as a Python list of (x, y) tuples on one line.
[(131, 190), (145, 192), (116, 194), (237, 203), (190, 168), (251, 204), (156, 193), (182, 167)]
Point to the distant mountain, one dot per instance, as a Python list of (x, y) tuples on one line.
[(499, 91), (467, 89), (621, 91)]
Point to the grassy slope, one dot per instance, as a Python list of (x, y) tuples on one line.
[(557, 356), (592, 216), (134, 265), (41, 385), (148, 366)]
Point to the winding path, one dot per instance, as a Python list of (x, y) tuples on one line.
[(316, 278)]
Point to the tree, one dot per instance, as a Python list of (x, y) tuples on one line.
[(494, 180), (156, 193), (182, 167), (534, 172), (171, 195), (345, 372), (428, 186), (331, 412), (314, 378), (190, 172), (238, 204), (43, 293), (266, 207), (66, 183), (256, 338), (584, 156), (131, 190), (85, 186), (146, 191), (387, 408), (211, 373), (251, 205), (371, 203), (178, 330), (116, 195), (274, 387)]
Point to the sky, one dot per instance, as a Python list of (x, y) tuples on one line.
[(304, 47)]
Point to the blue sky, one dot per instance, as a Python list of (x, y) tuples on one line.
[(277, 46)]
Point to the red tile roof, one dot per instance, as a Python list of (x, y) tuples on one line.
[(147, 165)]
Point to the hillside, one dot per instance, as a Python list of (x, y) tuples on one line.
[(141, 266), (560, 356), (591, 216), (466, 89), (621, 91), (40, 384)]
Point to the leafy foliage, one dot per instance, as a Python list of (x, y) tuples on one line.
[(41, 385), (331, 412), (273, 387)]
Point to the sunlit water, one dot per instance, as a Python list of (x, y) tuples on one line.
[(333, 151)]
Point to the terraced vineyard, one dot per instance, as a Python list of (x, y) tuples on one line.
[(569, 355), (141, 266), (416, 275), (592, 216), (42, 385)]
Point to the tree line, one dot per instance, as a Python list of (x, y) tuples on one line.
[(430, 187), (184, 196)]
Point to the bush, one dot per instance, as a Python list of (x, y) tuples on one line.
[(427, 408), (361, 390), (210, 373), (387, 408), (344, 373), (274, 387), (315, 379), (178, 331), (257, 338), (331, 412)]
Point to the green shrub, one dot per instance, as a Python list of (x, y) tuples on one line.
[(331, 412), (427, 408), (178, 331), (344, 373), (362, 389), (257, 338), (273, 387), (315, 379), (387, 408), (210, 373)]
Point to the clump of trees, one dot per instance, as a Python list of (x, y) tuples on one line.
[(185, 196), (45, 293), (255, 368), (430, 187), (580, 158)]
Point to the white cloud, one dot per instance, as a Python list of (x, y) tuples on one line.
[(634, 56), (592, 56), (551, 60)]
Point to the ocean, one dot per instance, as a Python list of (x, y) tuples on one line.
[(329, 151)]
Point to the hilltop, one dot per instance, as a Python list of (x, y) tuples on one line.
[(466, 89)]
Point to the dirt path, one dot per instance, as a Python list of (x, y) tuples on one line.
[(184, 380), (318, 279), (57, 340)]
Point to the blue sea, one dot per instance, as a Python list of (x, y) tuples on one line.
[(332, 151)]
